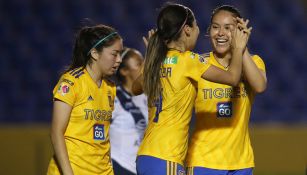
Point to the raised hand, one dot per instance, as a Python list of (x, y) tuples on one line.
[(150, 33), (240, 34)]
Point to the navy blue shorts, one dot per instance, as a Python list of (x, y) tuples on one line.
[(209, 171), (148, 165)]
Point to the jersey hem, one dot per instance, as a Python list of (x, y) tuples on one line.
[(219, 167), (163, 158)]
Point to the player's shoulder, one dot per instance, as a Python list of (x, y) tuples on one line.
[(198, 57), (76, 73), (191, 54), (73, 76), (111, 81), (256, 57), (205, 55)]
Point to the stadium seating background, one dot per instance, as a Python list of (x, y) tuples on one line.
[(37, 37)]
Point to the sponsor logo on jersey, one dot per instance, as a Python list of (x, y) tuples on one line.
[(171, 60), (99, 132), (224, 109)]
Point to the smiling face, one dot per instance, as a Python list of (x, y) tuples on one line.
[(109, 58), (220, 31)]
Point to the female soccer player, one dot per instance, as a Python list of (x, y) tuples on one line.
[(83, 105), (130, 115), (220, 144), (169, 79)]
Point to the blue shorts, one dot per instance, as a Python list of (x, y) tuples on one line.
[(148, 165), (209, 171)]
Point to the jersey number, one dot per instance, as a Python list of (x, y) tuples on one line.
[(158, 106)]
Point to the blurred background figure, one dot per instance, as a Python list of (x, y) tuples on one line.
[(130, 115), (36, 42)]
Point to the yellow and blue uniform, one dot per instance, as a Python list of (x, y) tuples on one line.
[(86, 136), (221, 137), (166, 136)]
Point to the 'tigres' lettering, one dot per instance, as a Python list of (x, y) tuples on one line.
[(98, 115), (233, 92), (166, 72)]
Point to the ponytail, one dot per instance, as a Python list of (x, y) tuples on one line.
[(155, 55)]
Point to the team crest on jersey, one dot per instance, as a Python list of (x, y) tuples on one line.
[(202, 59), (111, 101), (63, 88), (99, 132), (192, 55)]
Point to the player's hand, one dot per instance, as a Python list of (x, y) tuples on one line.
[(242, 25), (150, 33), (240, 34)]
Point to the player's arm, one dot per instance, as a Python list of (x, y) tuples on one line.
[(60, 118), (233, 75), (255, 77), (230, 77)]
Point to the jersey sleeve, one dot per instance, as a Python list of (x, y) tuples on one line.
[(195, 65), (259, 62), (65, 90)]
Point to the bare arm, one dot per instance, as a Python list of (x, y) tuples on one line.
[(230, 77), (60, 118), (255, 77)]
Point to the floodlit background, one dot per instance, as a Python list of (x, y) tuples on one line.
[(36, 40)]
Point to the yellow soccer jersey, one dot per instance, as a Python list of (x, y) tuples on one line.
[(221, 137), (166, 136), (87, 133)]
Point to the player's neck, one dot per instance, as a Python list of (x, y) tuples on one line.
[(176, 46), (92, 70), (128, 86), (223, 59)]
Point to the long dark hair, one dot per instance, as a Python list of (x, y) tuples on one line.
[(88, 38), (171, 20), (235, 12)]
